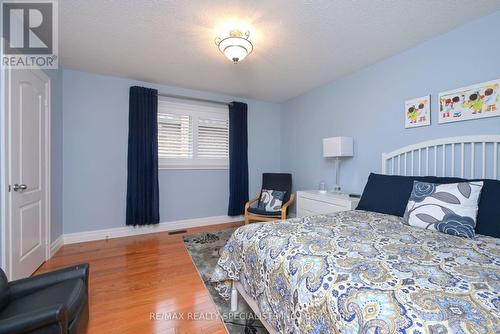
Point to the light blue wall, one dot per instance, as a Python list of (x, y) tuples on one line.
[(95, 126), (368, 105)]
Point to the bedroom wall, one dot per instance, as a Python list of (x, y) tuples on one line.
[(368, 105), (95, 156)]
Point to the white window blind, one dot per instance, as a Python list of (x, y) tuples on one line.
[(192, 135), (175, 136), (213, 138)]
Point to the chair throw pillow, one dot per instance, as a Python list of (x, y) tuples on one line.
[(271, 200)]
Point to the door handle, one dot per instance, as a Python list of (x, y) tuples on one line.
[(19, 187)]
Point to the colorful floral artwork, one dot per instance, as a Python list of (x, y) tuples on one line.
[(472, 102), (418, 112)]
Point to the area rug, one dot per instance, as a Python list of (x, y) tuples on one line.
[(204, 249)]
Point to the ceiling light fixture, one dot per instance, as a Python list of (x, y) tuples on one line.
[(235, 47)]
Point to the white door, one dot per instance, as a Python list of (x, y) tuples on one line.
[(28, 108)]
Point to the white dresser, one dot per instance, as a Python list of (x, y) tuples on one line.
[(312, 202)]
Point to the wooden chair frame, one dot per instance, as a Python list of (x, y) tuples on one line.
[(249, 217)]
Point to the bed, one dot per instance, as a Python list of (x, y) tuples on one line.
[(366, 272)]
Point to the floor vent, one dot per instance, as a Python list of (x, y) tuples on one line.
[(177, 232)]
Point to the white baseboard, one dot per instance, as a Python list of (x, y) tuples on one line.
[(56, 244), (127, 231)]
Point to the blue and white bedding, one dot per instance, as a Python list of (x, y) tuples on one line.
[(364, 272)]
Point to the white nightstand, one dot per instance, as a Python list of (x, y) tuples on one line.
[(312, 202)]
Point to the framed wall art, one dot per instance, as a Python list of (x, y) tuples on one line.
[(418, 112), (471, 102)]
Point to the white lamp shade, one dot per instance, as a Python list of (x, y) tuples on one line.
[(235, 48), (337, 147)]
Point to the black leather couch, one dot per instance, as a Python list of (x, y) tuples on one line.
[(54, 302)]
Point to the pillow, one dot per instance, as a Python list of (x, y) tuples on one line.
[(449, 208), (271, 200), (388, 193), (488, 216)]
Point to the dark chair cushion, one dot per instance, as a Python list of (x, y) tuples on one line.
[(71, 293), (80, 323), (278, 181), (262, 212), (388, 194), (4, 290)]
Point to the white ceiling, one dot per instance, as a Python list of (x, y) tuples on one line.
[(299, 45)]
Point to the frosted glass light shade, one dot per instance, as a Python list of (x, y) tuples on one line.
[(337, 147), (236, 47)]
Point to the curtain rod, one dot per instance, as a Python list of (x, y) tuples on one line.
[(182, 97)]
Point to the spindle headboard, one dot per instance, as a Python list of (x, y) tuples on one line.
[(466, 156)]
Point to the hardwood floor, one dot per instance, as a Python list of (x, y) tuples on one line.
[(134, 278)]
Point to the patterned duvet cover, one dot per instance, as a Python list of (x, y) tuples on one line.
[(363, 272)]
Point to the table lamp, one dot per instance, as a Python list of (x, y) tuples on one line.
[(337, 147)]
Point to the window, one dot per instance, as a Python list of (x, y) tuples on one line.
[(192, 135)]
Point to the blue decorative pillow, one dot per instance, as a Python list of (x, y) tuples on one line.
[(388, 193), (271, 200), (488, 215), (448, 208)]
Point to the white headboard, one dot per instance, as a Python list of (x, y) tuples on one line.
[(467, 156)]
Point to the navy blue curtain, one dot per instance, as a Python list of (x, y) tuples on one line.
[(142, 178), (238, 158)]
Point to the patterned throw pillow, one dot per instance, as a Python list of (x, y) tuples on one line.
[(448, 208), (271, 200)]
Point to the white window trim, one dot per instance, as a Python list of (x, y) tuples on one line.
[(169, 165), (190, 108)]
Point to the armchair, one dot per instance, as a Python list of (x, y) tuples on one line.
[(271, 181), (54, 302)]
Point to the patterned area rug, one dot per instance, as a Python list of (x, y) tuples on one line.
[(204, 249)]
